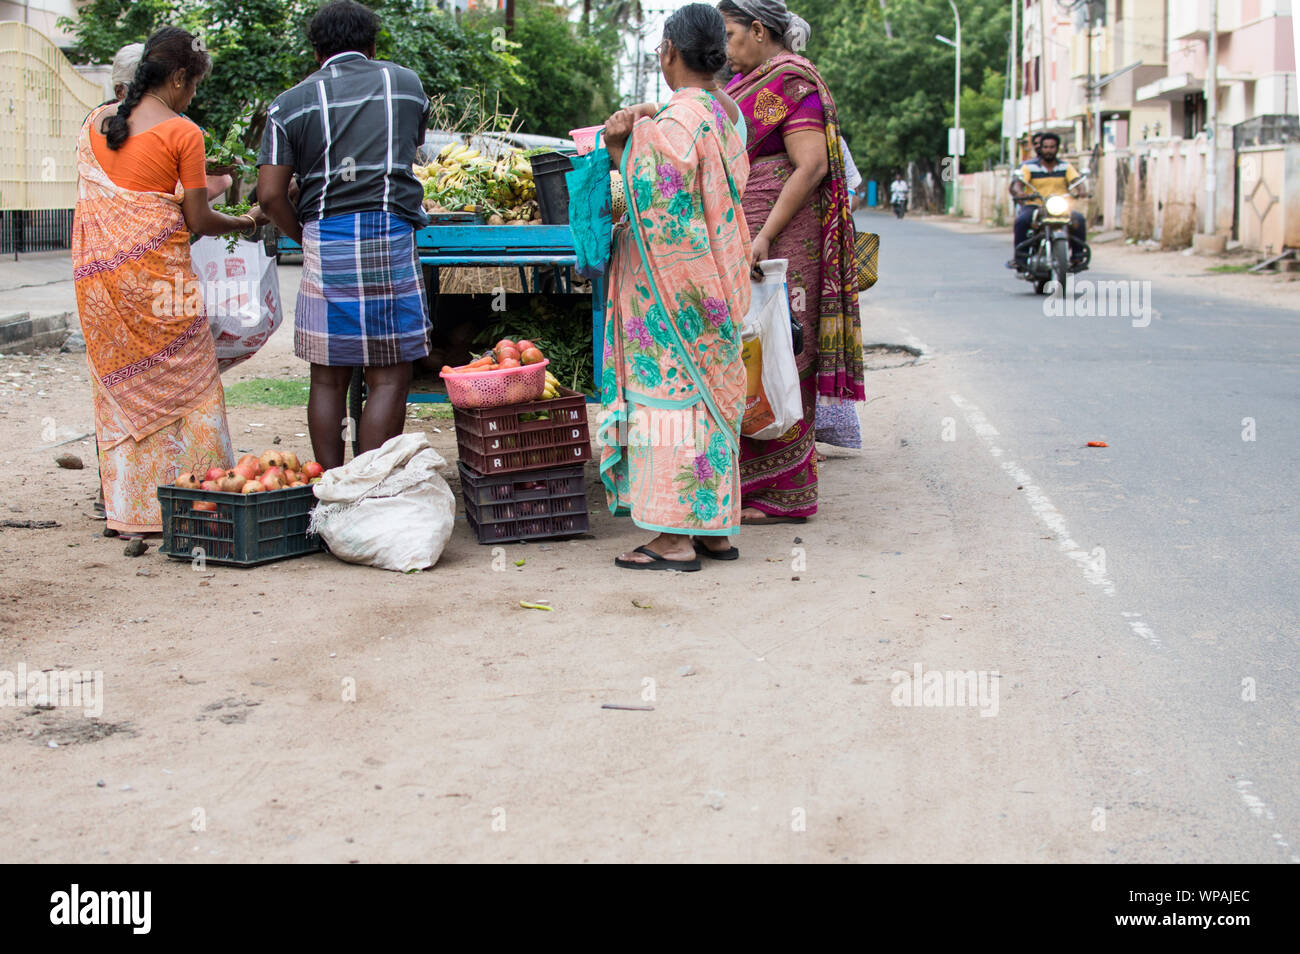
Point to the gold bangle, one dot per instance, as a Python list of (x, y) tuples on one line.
[(252, 223)]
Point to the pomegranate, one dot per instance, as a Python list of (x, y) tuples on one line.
[(189, 480), (249, 460), (270, 482), (247, 471), (207, 506), (271, 458), (215, 473), (290, 476), (312, 470), (233, 483), (251, 487), (291, 461), (210, 484)]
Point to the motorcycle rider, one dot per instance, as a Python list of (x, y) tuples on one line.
[(898, 191), (1047, 176)]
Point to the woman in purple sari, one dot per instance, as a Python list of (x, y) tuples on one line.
[(797, 208)]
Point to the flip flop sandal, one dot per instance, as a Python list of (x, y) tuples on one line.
[(764, 521), (731, 553), (657, 562)]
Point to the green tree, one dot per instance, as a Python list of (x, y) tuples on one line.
[(893, 87), (259, 48), (567, 72), (981, 117)]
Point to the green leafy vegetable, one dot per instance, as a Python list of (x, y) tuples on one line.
[(562, 329)]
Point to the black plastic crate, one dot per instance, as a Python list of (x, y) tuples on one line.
[(503, 440), (244, 530), (531, 506)]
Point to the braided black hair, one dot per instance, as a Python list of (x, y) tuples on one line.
[(168, 50), (700, 36)]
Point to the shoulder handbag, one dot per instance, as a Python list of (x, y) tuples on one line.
[(866, 252)]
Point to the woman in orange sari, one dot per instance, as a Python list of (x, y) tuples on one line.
[(673, 385), (797, 206), (142, 191)]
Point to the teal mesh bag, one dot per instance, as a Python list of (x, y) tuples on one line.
[(590, 215)]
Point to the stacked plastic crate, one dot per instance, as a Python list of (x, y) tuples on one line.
[(522, 468)]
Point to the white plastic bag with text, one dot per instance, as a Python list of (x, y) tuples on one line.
[(241, 294)]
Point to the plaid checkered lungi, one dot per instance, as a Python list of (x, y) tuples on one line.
[(361, 302)]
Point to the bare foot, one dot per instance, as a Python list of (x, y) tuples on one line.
[(713, 544), (670, 546)]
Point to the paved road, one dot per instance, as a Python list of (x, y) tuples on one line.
[(1196, 526)]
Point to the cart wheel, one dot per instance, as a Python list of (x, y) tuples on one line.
[(356, 396)]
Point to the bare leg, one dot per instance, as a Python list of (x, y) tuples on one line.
[(714, 544), (327, 412), (384, 415)]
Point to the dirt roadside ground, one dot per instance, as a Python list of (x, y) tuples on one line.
[(230, 730)]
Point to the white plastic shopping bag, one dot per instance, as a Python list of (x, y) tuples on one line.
[(241, 293), (772, 401), (388, 508)]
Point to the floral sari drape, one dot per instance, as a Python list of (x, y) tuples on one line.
[(159, 406), (673, 387)]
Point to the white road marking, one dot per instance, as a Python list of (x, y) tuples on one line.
[(1142, 629), (1259, 809), (912, 341), (1093, 571), (1042, 506)]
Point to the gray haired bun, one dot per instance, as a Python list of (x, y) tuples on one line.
[(792, 30)]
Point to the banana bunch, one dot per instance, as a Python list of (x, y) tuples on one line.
[(462, 178), (552, 389)]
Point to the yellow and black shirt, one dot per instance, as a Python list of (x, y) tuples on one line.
[(1047, 182)]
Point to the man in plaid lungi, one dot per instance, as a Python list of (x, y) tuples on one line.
[(349, 132)]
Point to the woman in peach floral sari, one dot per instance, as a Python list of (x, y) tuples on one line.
[(673, 386), (142, 190)]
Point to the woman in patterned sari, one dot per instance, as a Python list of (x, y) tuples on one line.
[(142, 191), (797, 207), (673, 387)]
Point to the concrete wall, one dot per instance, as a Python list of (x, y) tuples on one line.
[(1268, 207)]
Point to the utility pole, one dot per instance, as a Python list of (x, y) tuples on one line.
[(1211, 120), (1096, 80), (1042, 56), (1015, 85), (956, 111)]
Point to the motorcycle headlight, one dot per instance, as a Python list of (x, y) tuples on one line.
[(1058, 205)]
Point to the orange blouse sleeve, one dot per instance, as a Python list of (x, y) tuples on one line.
[(186, 142)]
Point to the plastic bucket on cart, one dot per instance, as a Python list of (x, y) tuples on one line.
[(552, 191)]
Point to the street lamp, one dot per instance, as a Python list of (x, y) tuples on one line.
[(956, 109)]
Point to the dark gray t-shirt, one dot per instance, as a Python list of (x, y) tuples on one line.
[(350, 131)]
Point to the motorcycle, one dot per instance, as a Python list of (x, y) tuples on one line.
[(1045, 256), (900, 206)]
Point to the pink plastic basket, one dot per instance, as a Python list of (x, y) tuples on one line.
[(585, 138), (497, 388)]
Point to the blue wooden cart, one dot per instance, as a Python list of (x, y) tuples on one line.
[(530, 248)]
